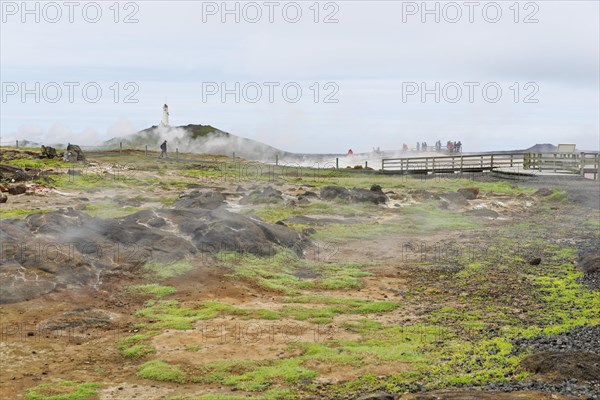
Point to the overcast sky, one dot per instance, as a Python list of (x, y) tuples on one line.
[(495, 75)]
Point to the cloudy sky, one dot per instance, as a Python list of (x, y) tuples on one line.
[(305, 76)]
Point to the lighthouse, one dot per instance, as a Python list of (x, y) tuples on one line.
[(165, 116)]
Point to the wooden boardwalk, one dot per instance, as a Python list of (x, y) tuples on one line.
[(582, 163)]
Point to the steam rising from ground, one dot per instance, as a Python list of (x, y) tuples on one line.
[(217, 142)]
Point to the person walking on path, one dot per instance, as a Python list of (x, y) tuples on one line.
[(163, 150)]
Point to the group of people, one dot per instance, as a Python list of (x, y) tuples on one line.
[(452, 147)]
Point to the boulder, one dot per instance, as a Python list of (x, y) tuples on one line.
[(267, 195), (422, 195), (470, 193), (83, 250), (453, 200), (48, 152), (578, 365), (74, 154), (10, 173), (197, 199), (17, 189), (334, 192), (357, 195), (3, 198)]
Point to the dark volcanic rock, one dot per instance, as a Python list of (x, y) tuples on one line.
[(10, 173), (453, 200), (483, 213), (469, 193), (570, 365), (74, 154), (581, 338), (17, 189), (267, 195), (68, 247), (334, 192), (48, 152), (543, 192), (478, 394), (422, 195), (589, 264), (197, 199), (375, 195)]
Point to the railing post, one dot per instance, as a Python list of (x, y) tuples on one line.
[(366, 164), (337, 163), (492, 163), (146, 152), (17, 144), (177, 153), (276, 159), (120, 147), (582, 155)]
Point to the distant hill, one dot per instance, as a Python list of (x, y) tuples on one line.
[(542, 148), (198, 139)]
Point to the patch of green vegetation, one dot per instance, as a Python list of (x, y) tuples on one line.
[(171, 314), (169, 270), (274, 394), (161, 371), (557, 196), (41, 163), (281, 272), (167, 201), (109, 210), (153, 289), (594, 222), (422, 218), (135, 346), (92, 181), (64, 390), (19, 213)]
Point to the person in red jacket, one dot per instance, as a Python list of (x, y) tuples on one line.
[(350, 152)]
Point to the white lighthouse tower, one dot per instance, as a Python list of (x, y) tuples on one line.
[(165, 116)]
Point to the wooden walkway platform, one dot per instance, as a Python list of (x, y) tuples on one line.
[(583, 163)]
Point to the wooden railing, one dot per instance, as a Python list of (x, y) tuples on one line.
[(566, 163), (569, 163)]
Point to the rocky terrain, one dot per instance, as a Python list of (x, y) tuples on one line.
[(125, 276)]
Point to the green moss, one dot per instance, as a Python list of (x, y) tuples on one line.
[(135, 346), (161, 371), (153, 289), (19, 213), (557, 196), (64, 390), (109, 210), (280, 272)]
